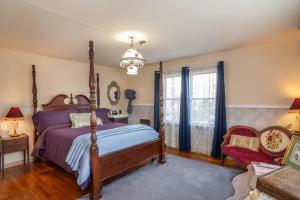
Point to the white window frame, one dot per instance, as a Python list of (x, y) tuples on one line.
[(175, 74), (194, 73)]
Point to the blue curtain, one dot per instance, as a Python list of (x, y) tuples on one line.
[(220, 115), (185, 125), (156, 100)]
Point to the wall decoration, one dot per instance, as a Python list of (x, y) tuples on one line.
[(113, 93), (130, 95), (292, 155)]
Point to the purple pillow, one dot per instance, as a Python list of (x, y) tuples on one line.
[(45, 119), (102, 113)]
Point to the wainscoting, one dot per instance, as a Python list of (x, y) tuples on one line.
[(257, 117), (141, 112)]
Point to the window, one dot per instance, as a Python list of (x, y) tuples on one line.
[(172, 98), (202, 97)]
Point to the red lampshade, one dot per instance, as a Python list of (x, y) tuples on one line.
[(14, 113), (295, 106)]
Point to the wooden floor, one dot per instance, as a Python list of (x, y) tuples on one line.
[(39, 181), (202, 157)]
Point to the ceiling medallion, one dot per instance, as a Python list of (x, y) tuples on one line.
[(132, 60)]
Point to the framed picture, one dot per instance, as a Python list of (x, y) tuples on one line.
[(292, 155)]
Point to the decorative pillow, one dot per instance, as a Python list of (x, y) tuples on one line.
[(251, 143), (45, 119), (274, 141), (82, 119), (100, 112)]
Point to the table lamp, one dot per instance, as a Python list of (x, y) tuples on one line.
[(295, 107), (14, 114)]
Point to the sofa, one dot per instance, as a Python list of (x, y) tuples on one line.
[(245, 156)]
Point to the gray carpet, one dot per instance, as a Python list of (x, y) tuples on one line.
[(178, 179)]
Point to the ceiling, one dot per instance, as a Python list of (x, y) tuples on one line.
[(173, 28)]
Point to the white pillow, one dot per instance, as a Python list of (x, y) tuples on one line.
[(82, 119), (251, 143)]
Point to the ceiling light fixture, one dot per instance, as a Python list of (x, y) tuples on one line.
[(132, 60)]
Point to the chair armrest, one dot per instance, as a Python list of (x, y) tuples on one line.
[(278, 161)]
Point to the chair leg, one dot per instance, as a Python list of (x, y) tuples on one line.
[(222, 159)]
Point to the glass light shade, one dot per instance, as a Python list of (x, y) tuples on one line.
[(132, 70), (132, 60), (132, 57), (133, 53)]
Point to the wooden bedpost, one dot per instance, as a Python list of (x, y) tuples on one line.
[(98, 91), (34, 98), (162, 157), (34, 90), (95, 193)]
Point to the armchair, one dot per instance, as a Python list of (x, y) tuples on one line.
[(244, 156)]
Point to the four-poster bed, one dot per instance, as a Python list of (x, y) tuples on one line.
[(104, 167)]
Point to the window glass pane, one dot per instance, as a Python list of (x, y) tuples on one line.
[(203, 112), (204, 85), (172, 110), (177, 87), (172, 101), (169, 86), (203, 94), (173, 87)]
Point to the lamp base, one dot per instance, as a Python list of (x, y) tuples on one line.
[(15, 134)]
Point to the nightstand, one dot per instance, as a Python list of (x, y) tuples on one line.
[(122, 118), (14, 144)]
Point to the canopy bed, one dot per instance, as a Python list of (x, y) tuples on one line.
[(103, 164)]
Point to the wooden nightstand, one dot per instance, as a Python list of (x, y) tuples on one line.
[(123, 118), (14, 144)]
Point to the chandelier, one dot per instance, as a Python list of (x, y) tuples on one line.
[(132, 60)]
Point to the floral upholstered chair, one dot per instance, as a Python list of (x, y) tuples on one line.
[(245, 144)]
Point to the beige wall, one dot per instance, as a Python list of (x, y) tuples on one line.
[(54, 76), (263, 75)]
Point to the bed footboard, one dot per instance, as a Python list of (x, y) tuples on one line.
[(116, 163)]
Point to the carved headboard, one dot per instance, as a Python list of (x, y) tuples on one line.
[(61, 101), (64, 102)]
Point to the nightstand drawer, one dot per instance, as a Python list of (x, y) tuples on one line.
[(15, 142), (11, 149)]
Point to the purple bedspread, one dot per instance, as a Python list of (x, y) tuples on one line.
[(59, 141)]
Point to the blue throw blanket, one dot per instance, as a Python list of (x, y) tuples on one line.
[(108, 141)]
